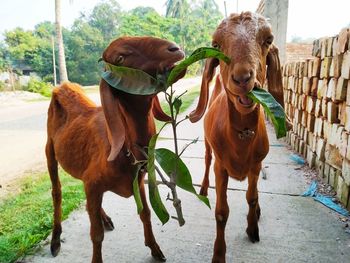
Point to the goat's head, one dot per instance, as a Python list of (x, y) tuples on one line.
[(149, 54), (246, 39)]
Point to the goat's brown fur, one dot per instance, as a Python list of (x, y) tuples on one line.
[(246, 39), (93, 143)]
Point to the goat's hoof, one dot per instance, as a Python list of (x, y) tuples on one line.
[(203, 191), (218, 260), (107, 223), (253, 234), (157, 253), (55, 248)]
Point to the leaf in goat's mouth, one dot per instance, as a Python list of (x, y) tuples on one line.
[(133, 81), (272, 108), (138, 82)]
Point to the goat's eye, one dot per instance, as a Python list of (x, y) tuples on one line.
[(119, 60), (215, 45), (269, 40)]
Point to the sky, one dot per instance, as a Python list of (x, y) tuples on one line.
[(306, 18)]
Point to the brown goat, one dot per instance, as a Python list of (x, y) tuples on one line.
[(81, 137), (239, 140)]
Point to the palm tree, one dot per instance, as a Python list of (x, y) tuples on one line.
[(61, 57), (176, 8)]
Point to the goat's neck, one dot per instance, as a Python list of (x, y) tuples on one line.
[(240, 122), (138, 118)]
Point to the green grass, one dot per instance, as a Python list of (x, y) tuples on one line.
[(187, 101), (26, 218)]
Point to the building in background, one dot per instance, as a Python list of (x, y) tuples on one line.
[(277, 13)]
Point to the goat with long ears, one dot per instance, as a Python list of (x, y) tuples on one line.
[(99, 145), (239, 140)]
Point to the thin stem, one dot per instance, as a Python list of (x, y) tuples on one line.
[(186, 146), (165, 181), (186, 118), (176, 200)]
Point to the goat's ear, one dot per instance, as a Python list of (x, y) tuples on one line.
[(274, 75), (208, 75), (115, 126), (158, 112)]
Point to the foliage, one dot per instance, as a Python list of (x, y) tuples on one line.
[(26, 218), (190, 24), (37, 86), (2, 85), (272, 108)]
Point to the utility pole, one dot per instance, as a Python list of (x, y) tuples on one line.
[(53, 61), (237, 6), (225, 9)]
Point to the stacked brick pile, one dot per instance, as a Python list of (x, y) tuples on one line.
[(317, 100)]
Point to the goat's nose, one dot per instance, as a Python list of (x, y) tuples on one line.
[(241, 75), (173, 48)]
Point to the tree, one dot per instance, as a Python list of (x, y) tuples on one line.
[(61, 54), (176, 8), (85, 45), (3, 57), (31, 48), (105, 17)]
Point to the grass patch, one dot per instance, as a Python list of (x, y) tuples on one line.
[(26, 218), (187, 101)]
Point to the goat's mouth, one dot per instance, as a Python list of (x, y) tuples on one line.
[(245, 101)]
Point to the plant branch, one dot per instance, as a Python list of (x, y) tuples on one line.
[(188, 144)]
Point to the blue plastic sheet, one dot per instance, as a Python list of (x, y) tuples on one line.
[(325, 200), (296, 158)]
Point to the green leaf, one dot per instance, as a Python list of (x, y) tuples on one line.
[(198, 54), (136, 190), (156, 201), (168, 160), (272, 108), (133, 81), (177, 104)]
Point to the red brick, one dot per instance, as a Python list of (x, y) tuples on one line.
[(345, 68), (333, 156), (341, 88), (332, 112)]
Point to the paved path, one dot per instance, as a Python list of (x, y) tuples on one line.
[(292, 228)]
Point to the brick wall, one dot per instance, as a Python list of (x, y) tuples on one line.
[(317, 100), (298, 51)]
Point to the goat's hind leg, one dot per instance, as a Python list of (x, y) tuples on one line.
[(208, 158), (107, 221), (254, 208), (56, 197), (145, 216)]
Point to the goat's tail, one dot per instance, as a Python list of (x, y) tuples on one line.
[(208, 158), (52, 166)]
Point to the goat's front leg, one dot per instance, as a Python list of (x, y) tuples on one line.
[(145, 216), (253, 202), (93, 205), (208, 157), (221, 213)]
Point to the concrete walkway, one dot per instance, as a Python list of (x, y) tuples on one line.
[(292, 228)]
